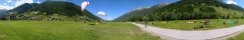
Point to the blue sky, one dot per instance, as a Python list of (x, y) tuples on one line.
[(113, 8), (116, 8)]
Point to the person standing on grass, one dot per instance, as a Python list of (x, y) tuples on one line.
[(145, 18), (145, 24)]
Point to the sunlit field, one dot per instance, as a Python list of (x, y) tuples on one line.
[(48, 30), (189, 24), (238, 37)]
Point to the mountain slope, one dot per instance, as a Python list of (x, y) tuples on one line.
[(52, 7), (51, 10), (2, 11), (24, 8), (63, 8), (186, 10)]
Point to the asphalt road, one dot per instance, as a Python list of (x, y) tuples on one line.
[(171, 34)]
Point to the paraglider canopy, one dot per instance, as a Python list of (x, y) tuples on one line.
[(84, 4)]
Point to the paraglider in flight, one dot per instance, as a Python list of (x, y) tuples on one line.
[(84, 4)]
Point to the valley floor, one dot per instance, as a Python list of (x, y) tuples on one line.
[(44, 30), (69, 30)]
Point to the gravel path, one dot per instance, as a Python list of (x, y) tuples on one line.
[(171, 34)]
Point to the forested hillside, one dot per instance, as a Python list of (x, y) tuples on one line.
[(186, 10), (50, 10)]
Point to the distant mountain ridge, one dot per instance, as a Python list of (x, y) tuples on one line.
[(186, 10), (50, 10), (2, 11)]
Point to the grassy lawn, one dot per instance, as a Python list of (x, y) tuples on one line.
[(188, 25), (239, 37), (43, 30)]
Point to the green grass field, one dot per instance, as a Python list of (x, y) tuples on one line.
[(44, 30), (187, 25), (238, 37)]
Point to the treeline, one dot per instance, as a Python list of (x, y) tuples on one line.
[(40, 16)]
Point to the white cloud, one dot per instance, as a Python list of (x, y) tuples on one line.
[(38, 2), (6, 7), (9, 1), (231, 2), (56, 0), (109, 18), (4, 3), (20, 2), (14, 3), (101, 13)]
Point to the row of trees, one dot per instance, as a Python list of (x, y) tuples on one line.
[(36, 15)]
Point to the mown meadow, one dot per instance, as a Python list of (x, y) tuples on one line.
[(238, 37), (66, 30)]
